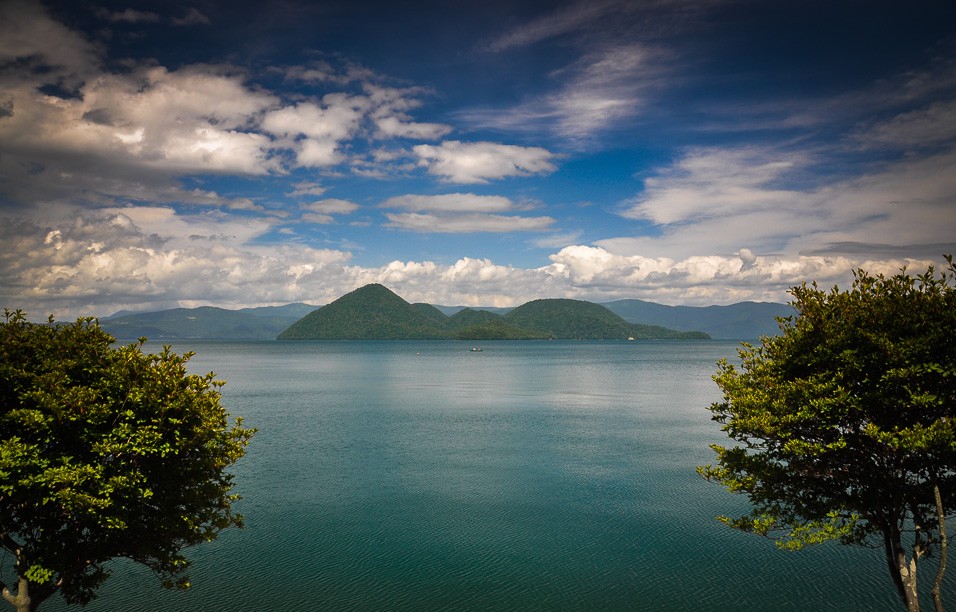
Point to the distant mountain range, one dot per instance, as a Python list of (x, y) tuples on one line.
[(376, 313), (206, 322), (743, 321)]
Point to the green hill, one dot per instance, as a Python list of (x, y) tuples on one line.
[(580, 320), (374, 312), (431, 313), (483, 325), (370, 313), (470, 318)]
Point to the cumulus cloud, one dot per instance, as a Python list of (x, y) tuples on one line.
[(478, 162), (135, 256), (151, 258), (51, 52), (390, 113), (71, 123), (707, 279), (129, 131), (315, 130)]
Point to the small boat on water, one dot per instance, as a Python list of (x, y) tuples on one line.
[(476, 349)]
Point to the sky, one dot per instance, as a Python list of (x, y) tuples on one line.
[(695, 152)]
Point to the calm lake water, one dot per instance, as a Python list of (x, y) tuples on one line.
[(528, 476)]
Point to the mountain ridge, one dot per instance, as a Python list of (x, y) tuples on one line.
[(740, 321), (374, 312)]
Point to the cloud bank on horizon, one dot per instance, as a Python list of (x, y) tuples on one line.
[(159, 154)]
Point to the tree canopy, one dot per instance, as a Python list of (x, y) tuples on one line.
[(106, 452), (845, 423)]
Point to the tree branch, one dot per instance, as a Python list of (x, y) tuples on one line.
[(20, 601), (938, 583)]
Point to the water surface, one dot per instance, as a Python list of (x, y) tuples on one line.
[(527, 476)]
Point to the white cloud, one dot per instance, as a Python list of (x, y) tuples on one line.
[(722, 200), (928, 126), (306, 188), (726, 228), (467, 282), (467, 223), (179, 229), (128, 16), (390, 117), (397, 126), (336, 118), (478, 162), (332, 206), (557, 241), (52, 50), (321, 211), (606, 87), (138, 128), (707, 279), (315, 130), (451, 202), (460, 213), (133, 257), (567, 19), (153, 258), (603, 88), (711, 183)]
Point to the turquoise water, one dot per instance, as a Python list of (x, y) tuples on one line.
[(528, 476)]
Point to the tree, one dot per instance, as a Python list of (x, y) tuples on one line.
[(845, 423), (106, 453)]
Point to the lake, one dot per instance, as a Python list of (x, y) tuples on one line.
[(527, 476)]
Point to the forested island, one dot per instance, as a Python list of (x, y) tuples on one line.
[(374, 312)]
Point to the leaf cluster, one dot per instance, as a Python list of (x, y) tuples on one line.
[(107, 452), (846, 421)]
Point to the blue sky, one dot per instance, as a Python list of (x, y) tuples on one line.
[(161, 154)]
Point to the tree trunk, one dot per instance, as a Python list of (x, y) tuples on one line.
[(908, 576), (893, 549), (938, 584), (902, 572), (21, 601)]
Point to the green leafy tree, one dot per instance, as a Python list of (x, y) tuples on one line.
[(845, 423), (106, 453)]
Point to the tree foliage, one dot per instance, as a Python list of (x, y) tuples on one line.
[(106, 452), (845, 423)]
